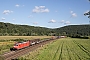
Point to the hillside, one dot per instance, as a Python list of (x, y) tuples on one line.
[(73, 30), (8, 29), (22, 30)]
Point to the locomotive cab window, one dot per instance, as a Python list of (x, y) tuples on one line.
[(16, 44)]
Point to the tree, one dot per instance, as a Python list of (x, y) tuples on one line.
[(87, 13)]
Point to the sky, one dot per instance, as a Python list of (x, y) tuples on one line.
[(44, 13)]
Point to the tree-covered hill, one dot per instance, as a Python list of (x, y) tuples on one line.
[(22, 30), (8, 29), (74, 30)]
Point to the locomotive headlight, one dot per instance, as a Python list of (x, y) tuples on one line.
[(14, 46)]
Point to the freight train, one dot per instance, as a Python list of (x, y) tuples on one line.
[(21, 45)]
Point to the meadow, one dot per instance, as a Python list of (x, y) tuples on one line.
[(62, 49), (22, 37), (6, 42)]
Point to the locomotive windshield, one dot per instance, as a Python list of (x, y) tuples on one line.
[(16, 45)]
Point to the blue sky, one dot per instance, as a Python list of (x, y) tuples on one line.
[(44, 13)]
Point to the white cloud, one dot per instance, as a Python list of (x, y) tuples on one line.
[(67, 22), (35, 23), (44, 10), (3, 18), (40, 9), (7, 11), (52, 21), (73, 14), (36, 9), (17, 5)]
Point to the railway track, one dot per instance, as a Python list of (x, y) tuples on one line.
[(12, 55)]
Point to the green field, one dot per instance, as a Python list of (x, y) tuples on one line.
[(62, 49), (6, 42), (22, 37)]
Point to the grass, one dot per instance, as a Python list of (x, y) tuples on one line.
[(62, 49), (7, 41), (22, 37), (5, 46)]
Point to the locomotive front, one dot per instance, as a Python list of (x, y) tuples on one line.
[(15, 47)]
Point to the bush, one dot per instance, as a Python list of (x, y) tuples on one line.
[(82, 37)]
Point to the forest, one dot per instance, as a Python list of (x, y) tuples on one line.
[(74, 30), (8, 29)]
